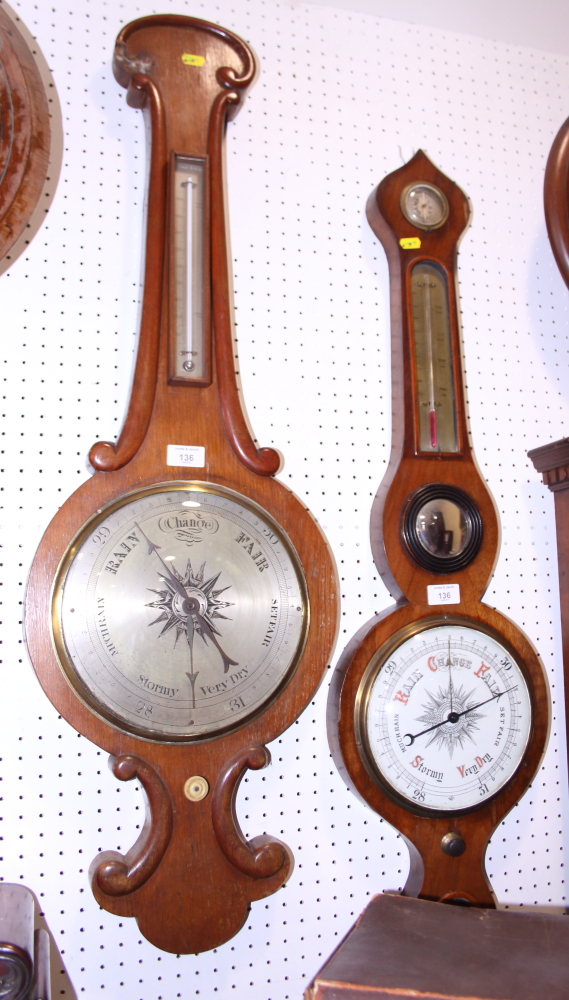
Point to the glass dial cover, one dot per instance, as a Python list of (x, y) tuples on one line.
[(180, 611), (443, 528), (424, 205), (445, 717)]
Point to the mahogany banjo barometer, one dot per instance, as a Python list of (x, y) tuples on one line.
[(182, 604), (439, 708)]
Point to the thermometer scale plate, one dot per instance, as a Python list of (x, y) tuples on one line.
[(433, 359), (190, 269)]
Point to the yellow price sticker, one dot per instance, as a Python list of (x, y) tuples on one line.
[(410, 243), (190, 60)]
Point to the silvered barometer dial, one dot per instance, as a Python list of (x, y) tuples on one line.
[(446, 717), (180, 611)]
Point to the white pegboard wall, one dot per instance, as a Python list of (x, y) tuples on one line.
[(342, 99)]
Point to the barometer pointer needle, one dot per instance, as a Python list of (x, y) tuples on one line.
[(449, 665), (456, 716), (190, 605), (152, 547), (191, 675)]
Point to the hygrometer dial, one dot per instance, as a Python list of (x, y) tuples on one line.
[(445, 716), (180, 611), (424, 205)]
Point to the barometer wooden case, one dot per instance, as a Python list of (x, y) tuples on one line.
[(439, 707), (182, 604)]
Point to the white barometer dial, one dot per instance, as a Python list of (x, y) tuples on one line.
[(180, 611), (445, 717)]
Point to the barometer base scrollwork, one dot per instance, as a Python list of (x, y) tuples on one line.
[(114, 874), (175, 850)]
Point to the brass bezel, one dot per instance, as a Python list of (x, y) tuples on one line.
[(431, 187), (57, 634), (363, 695)]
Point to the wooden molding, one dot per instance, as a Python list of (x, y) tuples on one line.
[(552, 460)]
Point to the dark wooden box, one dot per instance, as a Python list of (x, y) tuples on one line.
[(401, 947)]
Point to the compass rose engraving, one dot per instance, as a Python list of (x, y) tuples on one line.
[(451, 716), (198, 590), (189, 604)]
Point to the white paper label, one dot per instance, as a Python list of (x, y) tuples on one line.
[(192, 455), (443, 593)]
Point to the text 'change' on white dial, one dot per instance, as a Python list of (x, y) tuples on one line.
[(447, 717)]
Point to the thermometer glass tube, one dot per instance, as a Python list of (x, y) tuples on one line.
[(189, 187), (433, 359)]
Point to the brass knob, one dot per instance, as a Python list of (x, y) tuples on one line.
[(453, 844)]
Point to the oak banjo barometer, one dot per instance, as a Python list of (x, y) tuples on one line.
[(439, 707), (182, 604)]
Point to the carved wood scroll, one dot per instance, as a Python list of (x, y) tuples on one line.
[(110, 872), (24, 134), (261, 857)]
